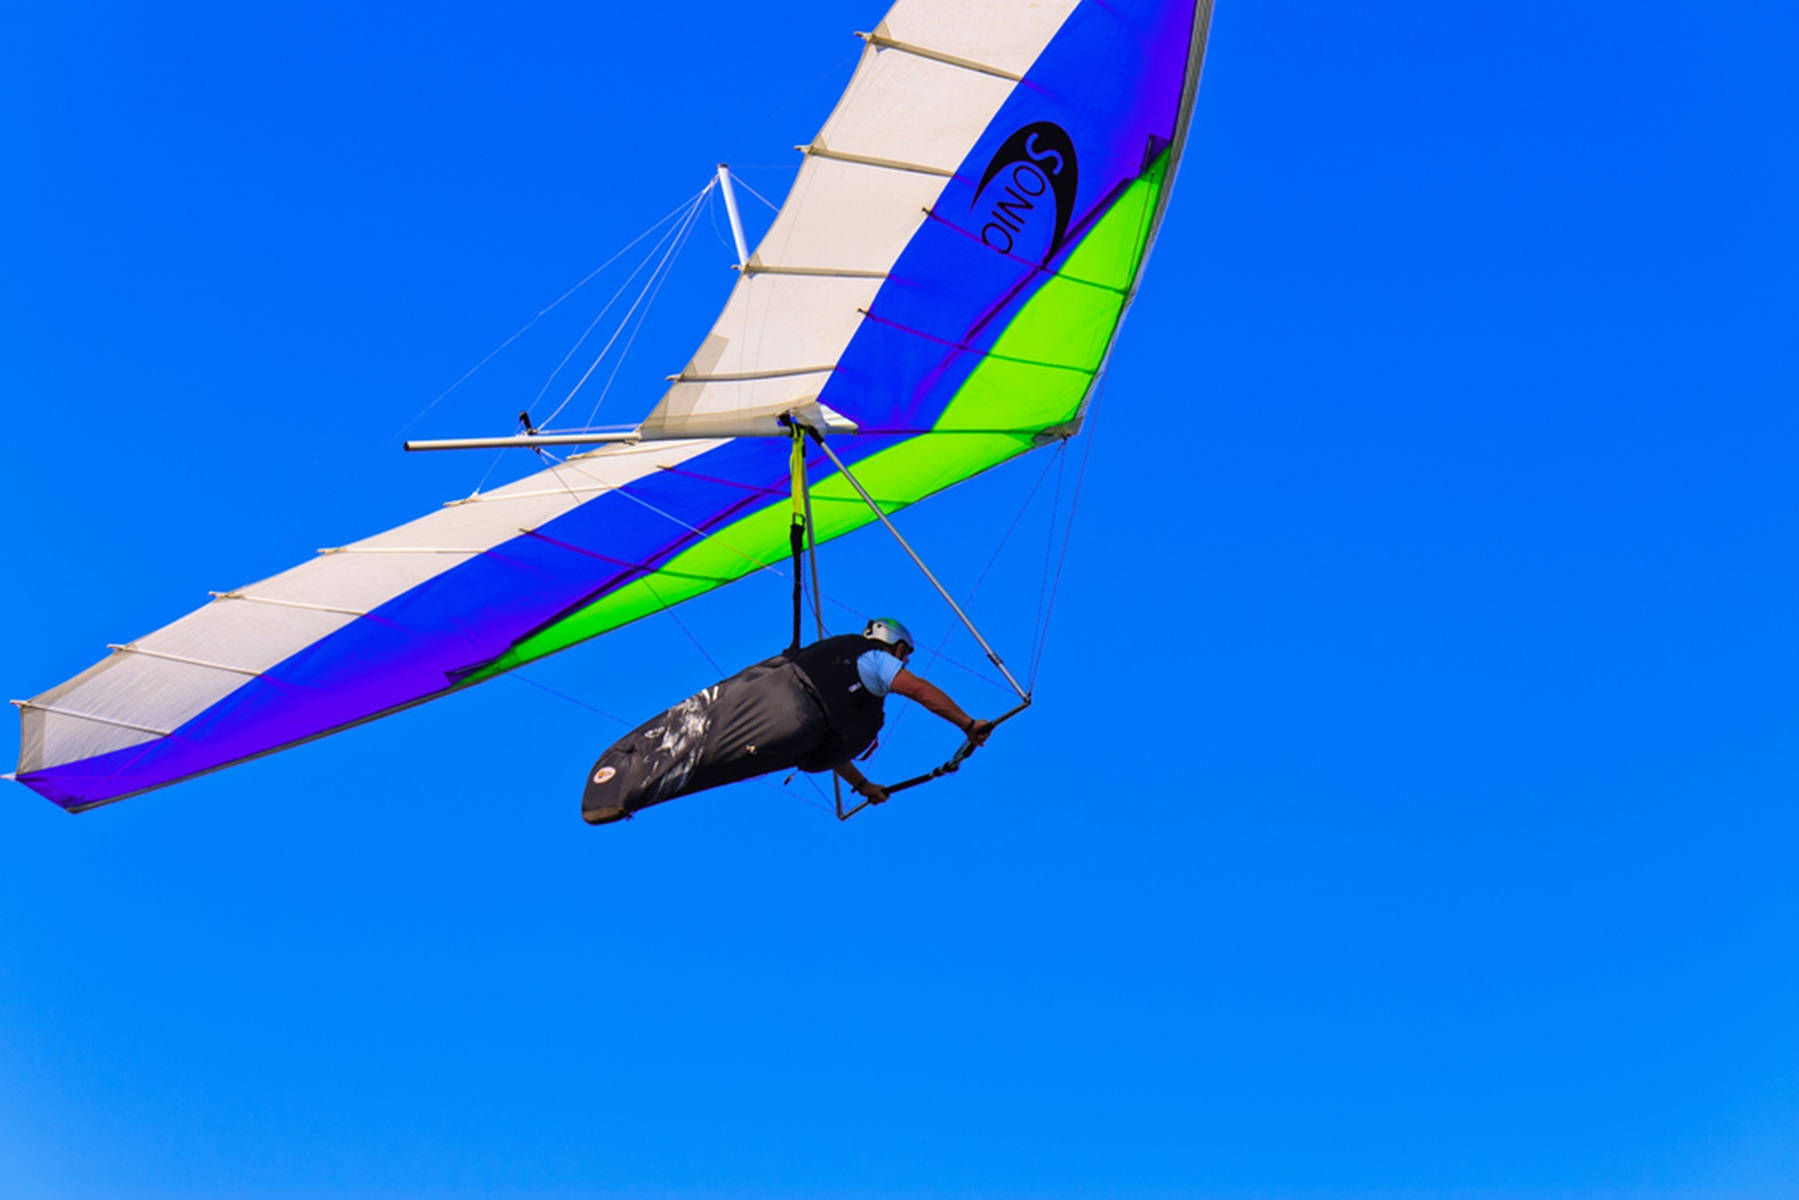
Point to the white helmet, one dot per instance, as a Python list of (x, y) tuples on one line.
[(886, 629)]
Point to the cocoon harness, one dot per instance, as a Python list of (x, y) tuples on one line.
[(805, 709)]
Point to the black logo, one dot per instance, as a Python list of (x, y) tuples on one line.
[(1034, 169)]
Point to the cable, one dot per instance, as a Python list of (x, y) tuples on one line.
[(545, 311), (1049, 555), (557, 464), (682, 626), (1068, 531), (674, 248), (515, 673), (598, 317), (937, 654), (758, 195), (642, 318)]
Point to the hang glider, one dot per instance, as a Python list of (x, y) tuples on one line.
[(945, 279)]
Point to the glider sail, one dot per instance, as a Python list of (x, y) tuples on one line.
[(947, 274)]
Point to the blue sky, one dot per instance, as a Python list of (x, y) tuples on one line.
[(1407, 808)]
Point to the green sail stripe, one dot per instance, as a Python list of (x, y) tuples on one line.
[(1024, 383)]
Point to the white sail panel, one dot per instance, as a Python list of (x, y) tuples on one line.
[(1005, 37), (909, 117), (242, 635), (166, 678), (915, 112), (352, 582)]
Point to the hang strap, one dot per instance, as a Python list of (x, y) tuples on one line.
[(796, 531)]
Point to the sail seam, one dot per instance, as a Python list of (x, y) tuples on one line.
[(760, 490), (721, 521), (646, 568), (1035, 266), (964, 346)]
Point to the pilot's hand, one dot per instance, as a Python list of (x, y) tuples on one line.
[(979, 731), (874, 793)]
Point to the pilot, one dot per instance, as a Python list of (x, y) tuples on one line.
[(817, 709)]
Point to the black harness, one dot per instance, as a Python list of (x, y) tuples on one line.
[(854, 713)]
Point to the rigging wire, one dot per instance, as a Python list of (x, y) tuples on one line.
[(1068, 529), (557, 464), (641, 319), (758, 565), (488, 474), (1056, 461), (712, 212), (937, 654), (669, 609), (635, 499), (519, 675), (1049, 554), (654, 594), (547, 309), (682, 626), (600, 316), (684, 228), (758, 195)]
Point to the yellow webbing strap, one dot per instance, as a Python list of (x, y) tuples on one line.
[(798, 465), (797, 531)]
